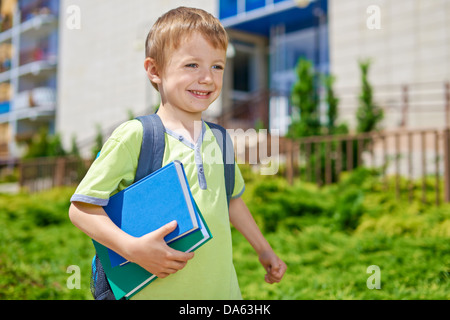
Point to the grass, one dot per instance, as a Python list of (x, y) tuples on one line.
[(332, 265), (37, 245), (328, 238)]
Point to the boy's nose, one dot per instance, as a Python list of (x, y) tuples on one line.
[(206, 77)]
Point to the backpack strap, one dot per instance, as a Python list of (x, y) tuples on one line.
[(226, 146), (153, 144), (152, 148)]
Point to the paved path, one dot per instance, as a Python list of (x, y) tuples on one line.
[(9, 188)]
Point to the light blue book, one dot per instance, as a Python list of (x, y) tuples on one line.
[(152, 202), (145, 206), (129, 279)]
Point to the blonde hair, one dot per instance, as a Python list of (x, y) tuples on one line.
[(174, 26)]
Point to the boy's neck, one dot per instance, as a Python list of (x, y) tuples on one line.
[(185, 123)]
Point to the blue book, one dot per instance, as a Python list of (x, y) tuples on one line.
[(152, 202), (126, 279), (129, 279)]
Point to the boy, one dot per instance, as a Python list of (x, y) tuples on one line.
[(185, 60)]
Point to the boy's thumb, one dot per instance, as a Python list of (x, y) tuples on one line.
[(167, 228)]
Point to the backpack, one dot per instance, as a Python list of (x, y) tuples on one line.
[(150, 160)]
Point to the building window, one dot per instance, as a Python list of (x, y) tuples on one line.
[(241, 71), (228, 8), (231, 8), (254, 4), (31, 8)]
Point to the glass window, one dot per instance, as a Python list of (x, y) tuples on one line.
[(5, 107), (32, 8), (241, 71), (227, 8), (254, 4)]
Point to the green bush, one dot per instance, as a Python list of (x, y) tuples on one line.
[(37, 244), (348, 209), (329, 236), (273, 201)]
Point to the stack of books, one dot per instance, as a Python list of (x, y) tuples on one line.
[(143, 207)]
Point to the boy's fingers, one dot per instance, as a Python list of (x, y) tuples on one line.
[(281, 269), (162, 275), (178, 265), (275, 268), (166, 229), (269, 279), (275, 272), (180, 256)]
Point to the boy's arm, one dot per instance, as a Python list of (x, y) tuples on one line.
[(150, 251), (243, 221)]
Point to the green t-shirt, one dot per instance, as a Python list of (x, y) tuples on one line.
[(210, 274)]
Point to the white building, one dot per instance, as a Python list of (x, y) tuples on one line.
[(100, 80), (408, 42), (28, 68)]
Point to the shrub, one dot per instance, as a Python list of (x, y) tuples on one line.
[(348, 209), (274, 201)]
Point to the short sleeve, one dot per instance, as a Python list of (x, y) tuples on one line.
[(239, 183), (115, 167)]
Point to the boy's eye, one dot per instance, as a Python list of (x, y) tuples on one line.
[(192, 65), (218, 67)]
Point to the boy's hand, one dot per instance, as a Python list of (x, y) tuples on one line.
[(153, 254), (274, 266)]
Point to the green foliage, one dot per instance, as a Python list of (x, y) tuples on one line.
[(9, 175), (74, 151), (304, 97), (98, 142), (130, 114), (332, 102), (368, 114), (37, 244), (330, 265), (273, 201), (338, 233), (44, 145)]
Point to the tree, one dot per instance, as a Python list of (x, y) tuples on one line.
[(305, 99), (44, 145), (98, 144), (332, 102), (74, 151), (368, 114)]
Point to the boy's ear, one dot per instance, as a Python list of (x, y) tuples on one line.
[(152, 70)]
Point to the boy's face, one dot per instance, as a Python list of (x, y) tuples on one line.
[(192, 78)]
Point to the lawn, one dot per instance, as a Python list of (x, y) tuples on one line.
[(328, 237)]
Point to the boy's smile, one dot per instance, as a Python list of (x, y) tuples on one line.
[(193, 76), (200, 94)]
